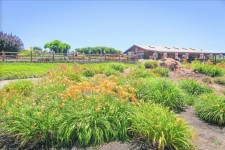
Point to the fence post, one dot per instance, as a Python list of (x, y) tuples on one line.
[(53, 57), (73, 56), (31, 57)]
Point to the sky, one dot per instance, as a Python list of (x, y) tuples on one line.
[(118, 24)]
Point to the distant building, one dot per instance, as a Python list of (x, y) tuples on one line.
[(158, 52)]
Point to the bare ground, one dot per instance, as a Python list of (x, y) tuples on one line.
[(208, 137)]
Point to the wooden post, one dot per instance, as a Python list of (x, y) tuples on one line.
[(73, 56), (53, 57), (31, 57), (119, 57), (215, 59)]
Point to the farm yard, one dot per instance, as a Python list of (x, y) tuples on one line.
[(112, 106)]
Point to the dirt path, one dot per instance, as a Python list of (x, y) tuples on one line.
[(208, 137)]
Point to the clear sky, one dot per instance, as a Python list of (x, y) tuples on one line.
[(119, 24)]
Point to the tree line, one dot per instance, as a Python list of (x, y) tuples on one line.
[(12, 43)]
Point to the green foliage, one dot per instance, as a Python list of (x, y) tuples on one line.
[(210, 70), (163, 72), (159, 127), (110, 72), (140, 73), (220, 81), (162, 91), (23, 87), (88, 73), (211, 108), (24, 70), (151, 64), (57, 46), (37, 48), (193, 87), (26, 53), (118, 66), (98, 50)]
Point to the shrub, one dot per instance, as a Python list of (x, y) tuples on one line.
[(118, 66), (193, 87), (220, 81), (211, 108), (163, 72), (151, 64), (140, 73), (110, 71), (88, 73), (62, 113), (23, 87), (162, 91), (159, 127), (210, 70)]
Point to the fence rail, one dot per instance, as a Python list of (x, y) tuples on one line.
[(60, 57)]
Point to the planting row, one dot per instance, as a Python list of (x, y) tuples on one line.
[(82, 105)]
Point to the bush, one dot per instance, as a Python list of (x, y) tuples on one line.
[(88, 73), (211, 108), (162, 91), (118, 67), (151, 64), (159, 127), (193, 87), (210, 70), (220, 81), (109, 72), (140, 73), (23, 87), (163, 72)]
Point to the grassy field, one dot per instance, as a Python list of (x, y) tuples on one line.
[(32, 70), (91, 104)]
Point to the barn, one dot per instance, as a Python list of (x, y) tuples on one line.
[(158, 52)]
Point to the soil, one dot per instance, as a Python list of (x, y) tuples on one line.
[(207, 136)]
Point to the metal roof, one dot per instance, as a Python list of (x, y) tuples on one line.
[(167, 49)]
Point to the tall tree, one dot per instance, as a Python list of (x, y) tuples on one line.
[(10, 43), (57, 46)]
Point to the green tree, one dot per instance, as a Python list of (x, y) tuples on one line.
[(98, 50), (57, 46), (37, 48)]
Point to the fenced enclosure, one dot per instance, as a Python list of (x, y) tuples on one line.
[(34, 56)]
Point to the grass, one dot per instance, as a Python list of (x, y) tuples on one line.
[(162, 91), (160, 127), (33, 70), (71, 108), (24, 70), (193, 87), (210, 70), (151, 64), (220, 80), (211, 108)]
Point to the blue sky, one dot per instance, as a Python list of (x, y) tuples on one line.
[(119, 24)]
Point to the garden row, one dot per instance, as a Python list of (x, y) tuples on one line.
[(88, 105)]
